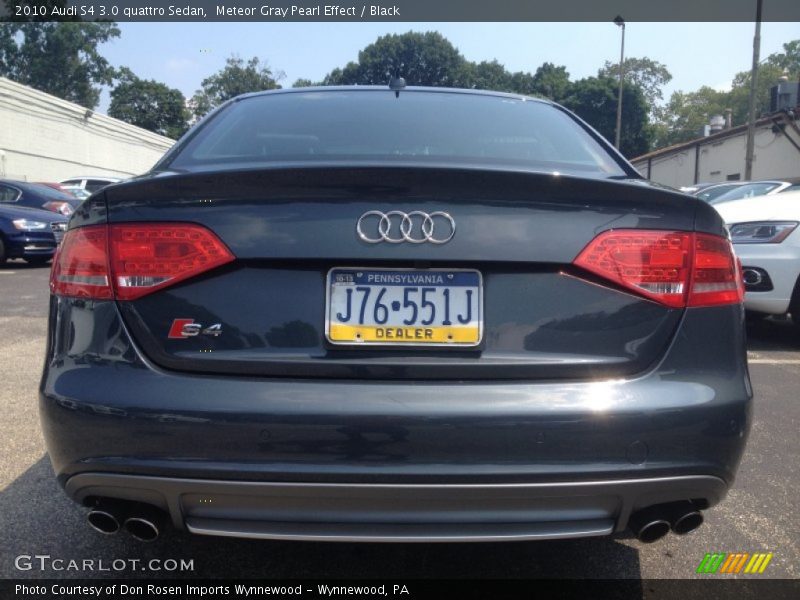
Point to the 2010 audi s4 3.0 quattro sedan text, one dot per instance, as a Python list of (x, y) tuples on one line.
[(395, 315)]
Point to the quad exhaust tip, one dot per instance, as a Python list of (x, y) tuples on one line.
[(142, 529), (103, 521), (653, 523), (142, 521), (684, 517), (649, 525)]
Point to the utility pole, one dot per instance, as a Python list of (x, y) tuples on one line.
[(751, 119), (620, 22)]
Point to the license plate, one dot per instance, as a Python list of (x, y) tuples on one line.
[(404, 307)]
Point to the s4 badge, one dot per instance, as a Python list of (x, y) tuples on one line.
[(186, 328)]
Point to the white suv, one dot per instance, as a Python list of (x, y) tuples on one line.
[(765, 233)]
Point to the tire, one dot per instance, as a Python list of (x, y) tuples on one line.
[(794, 304), (753, 318), (38, 261), (3, 256)]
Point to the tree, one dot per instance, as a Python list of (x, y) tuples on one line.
[(649, 75), (430, 59), (550, 81), (739, 96), (237, 77), (485, 75), (421, 58), (301, 83), (149, 104), (789, 59), (594, 99), (685, 114), (58, 58)]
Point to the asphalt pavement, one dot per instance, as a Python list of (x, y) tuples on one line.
[(760, 514)]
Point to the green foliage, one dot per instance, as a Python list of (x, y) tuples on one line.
[(549, 81), (149, 104), (739, 96), (58, 58), (486, 75), (789, 59), (648, 75), (236, 78), (421, 58), (594, 99), (429, 59), (685, 114), (301, 83)]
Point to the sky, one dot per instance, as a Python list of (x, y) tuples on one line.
[(183, 54)]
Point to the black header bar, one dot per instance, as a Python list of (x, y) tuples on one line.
[(398, 10)]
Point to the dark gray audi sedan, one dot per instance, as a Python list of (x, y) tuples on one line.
[(395, 315)]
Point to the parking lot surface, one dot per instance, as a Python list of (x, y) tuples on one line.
[(760, 514)]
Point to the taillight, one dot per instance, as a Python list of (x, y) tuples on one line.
[(675, 268), (63, 208), (128, 261), (80, 267), (717, 276)]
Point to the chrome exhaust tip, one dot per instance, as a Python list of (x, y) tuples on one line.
[(103, 521), (106, 517), (752, 276), (145, 523), (142, 529)]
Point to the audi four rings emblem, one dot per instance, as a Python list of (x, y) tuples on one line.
[(396, 227)]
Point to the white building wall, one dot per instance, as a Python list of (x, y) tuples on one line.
[(44, 138), (774, 158), (670, 168)]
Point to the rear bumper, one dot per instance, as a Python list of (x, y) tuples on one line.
[(782, 264), (30, 245), (397, 512), (434, 460)]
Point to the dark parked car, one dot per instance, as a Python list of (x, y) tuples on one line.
[(37, 195), (395, 315), (29, 233)]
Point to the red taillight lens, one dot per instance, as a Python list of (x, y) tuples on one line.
[(136, 259), (674, 268), (80, 267), (716, 277), (148, 257)]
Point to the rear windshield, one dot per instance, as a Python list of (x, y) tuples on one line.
[(416, 127)]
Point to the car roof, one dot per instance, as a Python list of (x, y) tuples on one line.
[(721, 183), (98, 177), (775, 207), (387, 89)]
